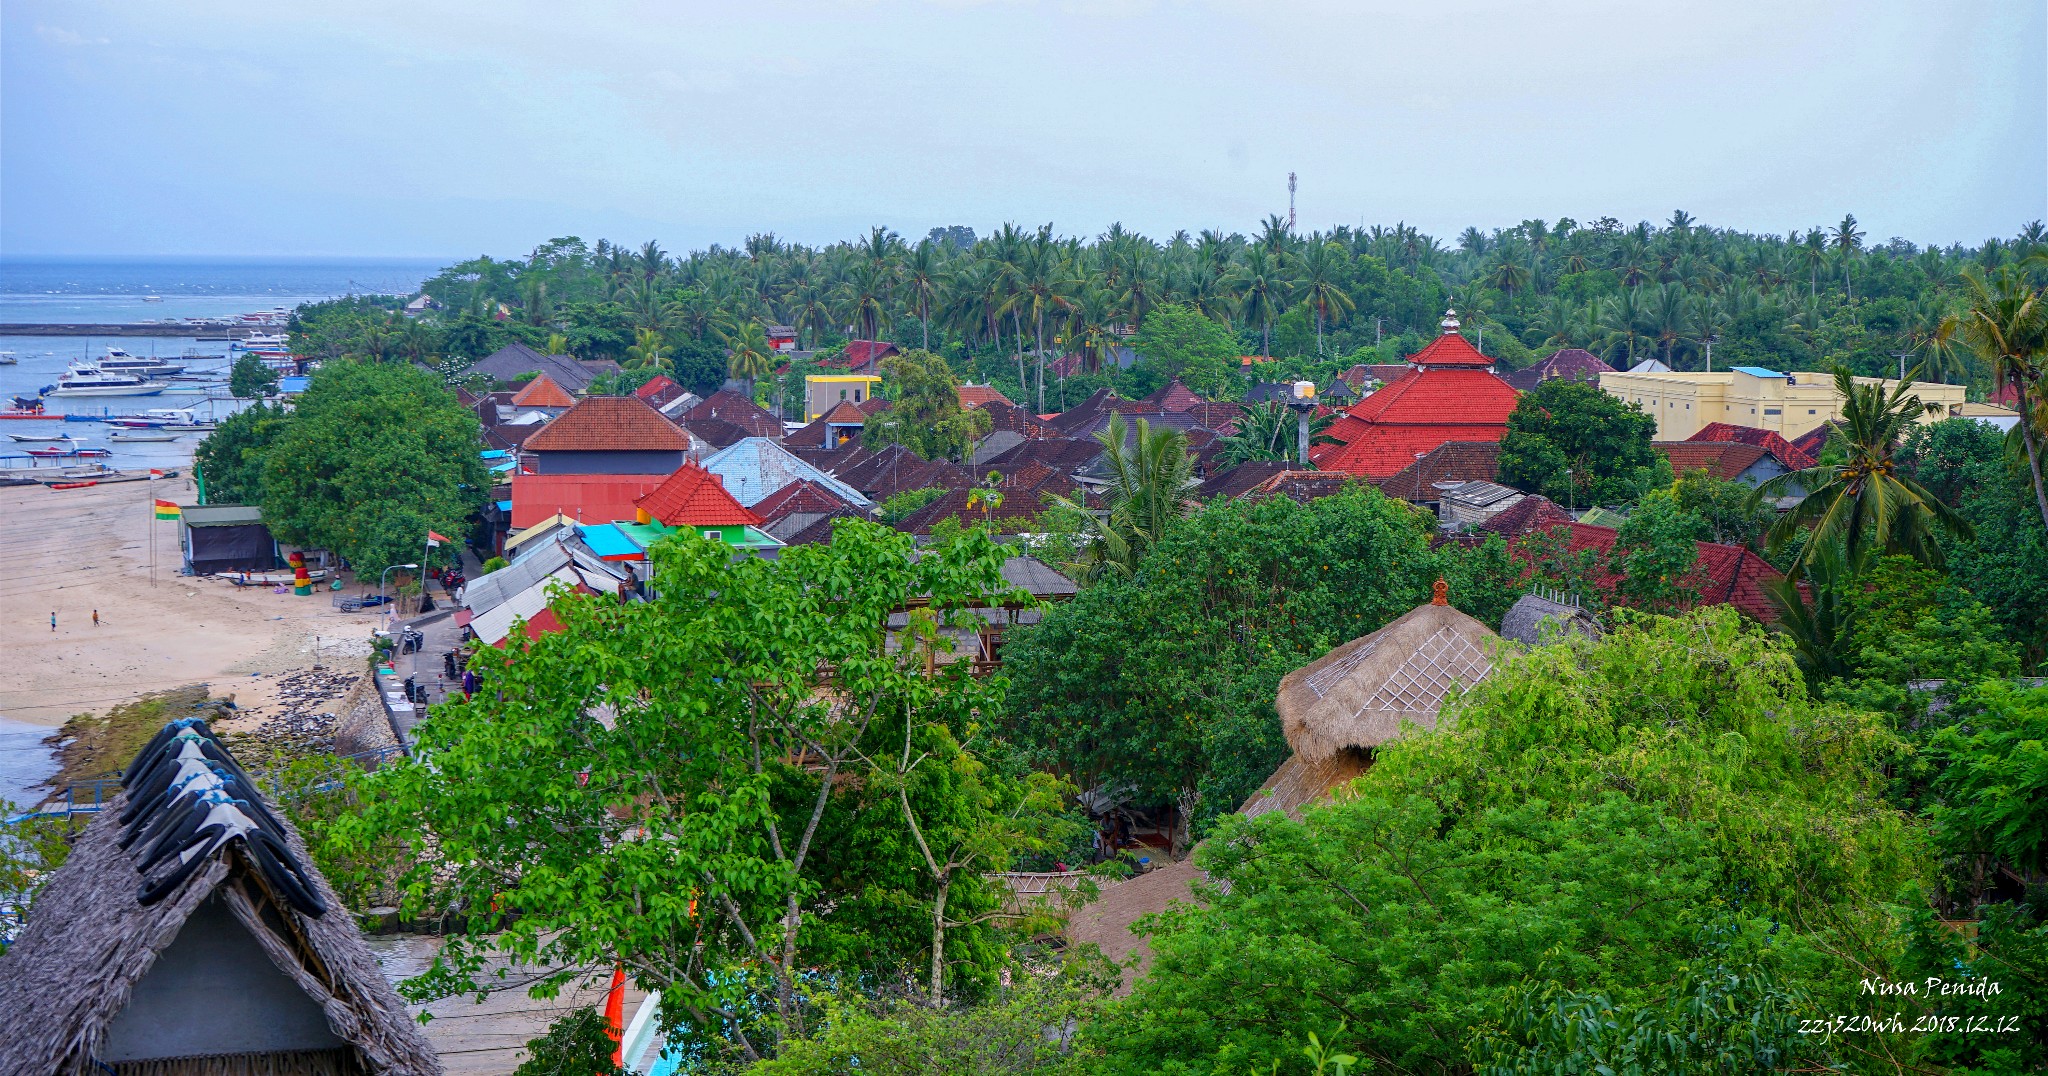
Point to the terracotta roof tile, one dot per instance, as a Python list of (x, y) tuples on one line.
[(979, 395), (694, 497), (803, 495), (1723, 459), (1173, 397), (1452, 461), (588, 498), (609, 424), (730, 406), (655, 387), (1529, 515), (1448, 399), (1571, 364), (1788, 453), (1242, 479), (543, 392)]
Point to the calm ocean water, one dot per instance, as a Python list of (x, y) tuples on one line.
[(108, 290)]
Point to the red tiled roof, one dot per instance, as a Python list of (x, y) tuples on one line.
[(1530, 514), (1812, 441), (543, 392), (694, 497), (1173, 398), (979, 395), (1723, 459), (609, 424), (1449, 398), (860, 353), (730, 406), (1453, 461), (589, 498), (1450, 349), (1023, 491), (1220, 416), (1302, 486), (1571, 364), (654, 387), (1788, 453), (1242, 479), (802, 495)]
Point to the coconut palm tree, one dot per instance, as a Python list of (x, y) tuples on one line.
[(1623, 318), (1262, 285), (1847, 239), (1813, 614), (647, 352), (1270, 431), (924, 276), (750, 358), (1863, 503), (1670, 308), (1151, 483), (1319, 270), (2006, 324)]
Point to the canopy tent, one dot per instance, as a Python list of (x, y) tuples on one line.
[(219, 538)]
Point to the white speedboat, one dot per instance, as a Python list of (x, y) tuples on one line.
[(158, 434), (85, 379), (261, 343), (119, 361), (7, 358), (43, 438)]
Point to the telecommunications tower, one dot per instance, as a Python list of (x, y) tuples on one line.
[(1290, 201)]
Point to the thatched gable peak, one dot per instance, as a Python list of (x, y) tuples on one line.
[(1356, 696), (87, 985)]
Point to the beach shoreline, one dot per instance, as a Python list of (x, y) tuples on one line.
[(72, 552)]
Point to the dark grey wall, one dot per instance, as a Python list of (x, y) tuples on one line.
[(606, 462), (214, 992)]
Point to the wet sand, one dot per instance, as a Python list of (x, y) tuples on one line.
[(74, 551)]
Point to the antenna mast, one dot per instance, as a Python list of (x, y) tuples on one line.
[(1290, 201)]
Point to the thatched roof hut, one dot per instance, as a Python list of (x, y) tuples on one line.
[(1533, 616), (1355, 697), (246, 965)]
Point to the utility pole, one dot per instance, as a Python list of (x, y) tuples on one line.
[(1290, 201)]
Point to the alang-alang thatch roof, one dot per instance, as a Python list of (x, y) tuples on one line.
[(1357, 696), (77, 995)]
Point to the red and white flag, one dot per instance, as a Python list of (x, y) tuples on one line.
[(434, 540), (155, 473)]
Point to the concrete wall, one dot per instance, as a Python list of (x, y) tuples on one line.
[(606, 462), (1790, 404), (213, 991)]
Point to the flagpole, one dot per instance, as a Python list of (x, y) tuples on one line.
[(151, 486)]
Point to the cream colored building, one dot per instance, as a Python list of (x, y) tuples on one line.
[(823, 392), (1786, 404)]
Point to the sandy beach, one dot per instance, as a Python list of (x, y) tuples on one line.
[(74, 551)]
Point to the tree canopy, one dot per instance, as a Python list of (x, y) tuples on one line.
[(924, 412), (1577, 445)]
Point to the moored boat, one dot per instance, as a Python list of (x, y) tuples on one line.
[(85, 379), (42, 437), (143, 435)]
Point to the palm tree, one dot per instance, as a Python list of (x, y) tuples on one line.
[(2006, 324), (1321, 265), (1144, 284), (1669, 309), (1705, 321), (1042, 284), (647, 352), (1863, 503), (1270, 431), (924, 276), (1262, 286), (1623, 317), (750, 358), (1813, 251), (1151, 477), (1817, 622), (1507, 274), (1847, 240)]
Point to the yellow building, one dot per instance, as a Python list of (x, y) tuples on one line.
[(1786, 404), (823, 392)]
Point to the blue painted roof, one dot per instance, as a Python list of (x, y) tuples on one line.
[(293, 384), (504, 506), (754, 467), (1757, 371), (606, 540), (494, 453)]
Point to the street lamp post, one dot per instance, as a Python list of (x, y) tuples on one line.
[(1304, 403), (381, 604)]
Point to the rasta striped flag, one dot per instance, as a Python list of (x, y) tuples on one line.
[(167, 509)]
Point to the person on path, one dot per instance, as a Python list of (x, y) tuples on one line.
[(53, 621), (95, 618)]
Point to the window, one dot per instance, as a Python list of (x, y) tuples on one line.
[(856, 396), (1773, 411), (1811, 411), (842, 394)]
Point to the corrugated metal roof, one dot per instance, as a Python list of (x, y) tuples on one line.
[(754, 467), (221, 515), (608, 542)]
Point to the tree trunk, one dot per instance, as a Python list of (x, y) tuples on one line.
[(2029, 438), (1319, 332), (938, 994), (1041, 363)]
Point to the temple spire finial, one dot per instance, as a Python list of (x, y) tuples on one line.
[(1450, 322)]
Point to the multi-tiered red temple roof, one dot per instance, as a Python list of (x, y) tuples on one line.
[(1450, 393)]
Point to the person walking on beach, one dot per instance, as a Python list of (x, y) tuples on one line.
[(95, 618), (53, 621)]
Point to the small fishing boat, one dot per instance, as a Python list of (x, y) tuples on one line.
[(7, 358), (142, 435), (271, 579), (72, 485), (46, 438), (70, 453)]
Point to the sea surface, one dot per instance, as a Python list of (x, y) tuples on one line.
[(111, 290), (24, 764)]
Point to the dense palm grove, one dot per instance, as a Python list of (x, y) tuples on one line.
[(1688, 846), (1003, 306)]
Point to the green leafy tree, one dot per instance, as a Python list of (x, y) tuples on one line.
[(579, 1044), (925, 415), (2006, 325), (1178, 341), (250, 379), (1864, 502), (649, 351), (750, 359), (1575, 444), (231, 459), (708, 788), (899, 506), (1729, 513), (372, 457), (1165, 677), (1151, 480), (1657, 557), (1270, 431), (1565, 830)]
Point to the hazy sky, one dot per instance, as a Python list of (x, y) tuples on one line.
[(438, 127)]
